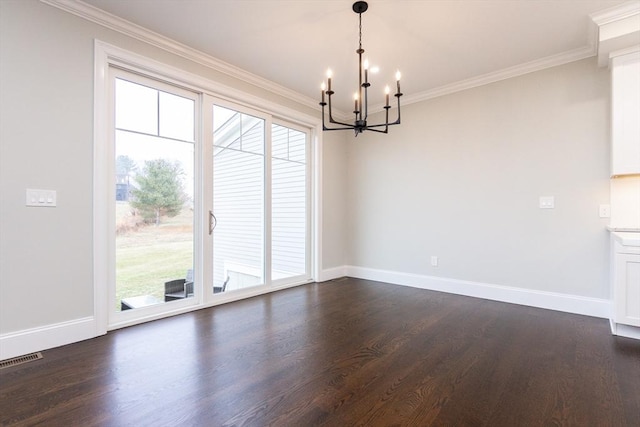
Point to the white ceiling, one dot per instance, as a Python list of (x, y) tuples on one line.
[(435, 43)]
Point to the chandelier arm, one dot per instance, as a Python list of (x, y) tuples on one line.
[(379, 125), (397, 122), (387, 123), (346, 127), (350, 126), (378, 130), (386, 118), (331, 120), (324, 126), (335, 122)]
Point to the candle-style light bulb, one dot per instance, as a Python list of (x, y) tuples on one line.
[(355, 101), (329, 75), (323, 87), (398, 75), (386, 95), (366, 70)]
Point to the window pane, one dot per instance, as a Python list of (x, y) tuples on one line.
[(227, 130), (238, 200), (252, 134), (136, 107), (297, 147), (176, 117), (279, 142), (154, 201), (289, 201)]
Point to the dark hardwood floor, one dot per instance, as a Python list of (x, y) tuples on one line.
[(342, 353)]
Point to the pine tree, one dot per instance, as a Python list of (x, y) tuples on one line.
[(159, 190)]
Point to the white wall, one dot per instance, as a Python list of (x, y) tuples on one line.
[(46, 137), (461, 178), (46, 142), (335, 204)]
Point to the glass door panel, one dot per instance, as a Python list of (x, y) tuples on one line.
[(238, 199), (154, 178), (288, 202)]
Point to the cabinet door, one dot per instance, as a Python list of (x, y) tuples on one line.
[(627, 288), (625, 104)]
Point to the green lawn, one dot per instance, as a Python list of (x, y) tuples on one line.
[(148, 256)]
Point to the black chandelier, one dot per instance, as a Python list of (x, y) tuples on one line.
[(361, 107)]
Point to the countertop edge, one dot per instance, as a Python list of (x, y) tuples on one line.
[(624, 229), (627, 238)]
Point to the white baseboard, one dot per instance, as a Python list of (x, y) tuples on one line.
[(37, 339), (332, 273), (626, 331), (575, 304)]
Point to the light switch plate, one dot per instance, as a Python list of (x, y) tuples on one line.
[(41, 198), (547, 202)]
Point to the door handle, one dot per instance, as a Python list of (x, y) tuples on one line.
[(213, 221)]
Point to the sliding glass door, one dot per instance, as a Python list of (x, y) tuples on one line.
[(154, 154), (260, 201), (207, 199)]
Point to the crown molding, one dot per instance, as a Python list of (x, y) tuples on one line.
[(617, 29), (113, 22), (616, 13), (504, 74)]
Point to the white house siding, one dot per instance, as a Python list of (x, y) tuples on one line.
[(239, 202), (288, 202)]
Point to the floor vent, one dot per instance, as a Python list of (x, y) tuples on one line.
[(20, 360)]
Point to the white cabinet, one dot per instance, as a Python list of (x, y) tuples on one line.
[(626, 282), (625, 114)]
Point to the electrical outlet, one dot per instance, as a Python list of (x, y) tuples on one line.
[(434, 261), (547, 202), (605, 211)]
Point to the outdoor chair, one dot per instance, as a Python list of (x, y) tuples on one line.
[(177, 289), (183, 288), (218, 289)]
